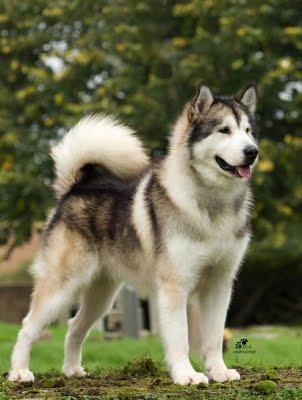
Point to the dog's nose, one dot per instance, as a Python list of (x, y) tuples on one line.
[(250, 153)]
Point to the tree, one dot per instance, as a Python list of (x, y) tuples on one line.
[(141, 60)]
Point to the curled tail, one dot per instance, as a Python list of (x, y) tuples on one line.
[(97, 140)]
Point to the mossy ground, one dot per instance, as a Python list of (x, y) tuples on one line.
[(143, 379)]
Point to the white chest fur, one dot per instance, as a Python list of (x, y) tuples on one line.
[(217, 246)]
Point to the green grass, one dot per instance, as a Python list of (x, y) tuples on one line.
[(271, 346), (274, 347), (272, 371)]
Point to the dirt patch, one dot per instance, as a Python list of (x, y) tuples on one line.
[(144, 380)]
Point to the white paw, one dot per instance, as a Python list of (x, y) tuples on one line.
[(21, 375), (188, 376), (224, 374), (74, 371)]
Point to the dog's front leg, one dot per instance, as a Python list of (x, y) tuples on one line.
[(214, 297), (172, 305)]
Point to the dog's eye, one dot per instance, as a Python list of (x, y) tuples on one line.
[(225, 130), (247, 130)]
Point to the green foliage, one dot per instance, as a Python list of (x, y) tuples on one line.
[(141, 60), (269, 288), (278, 188)]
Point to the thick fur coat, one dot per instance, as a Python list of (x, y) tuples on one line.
[(177, 230)]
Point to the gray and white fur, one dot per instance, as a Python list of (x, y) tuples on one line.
[(177, 230)]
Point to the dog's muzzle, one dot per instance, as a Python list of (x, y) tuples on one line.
[(250, 153)]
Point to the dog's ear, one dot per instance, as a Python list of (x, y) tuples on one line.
[(201, 102), (249, 98)]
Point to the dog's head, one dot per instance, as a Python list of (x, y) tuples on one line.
[(221, 137)]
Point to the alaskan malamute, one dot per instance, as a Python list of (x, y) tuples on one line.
[(177, 229)]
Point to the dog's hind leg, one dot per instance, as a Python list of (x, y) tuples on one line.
[(48, 299), (97, 300), (64, 266)]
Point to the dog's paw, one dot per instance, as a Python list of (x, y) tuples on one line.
[(223, 375), (21, 375), (188, 376), (74, 371)]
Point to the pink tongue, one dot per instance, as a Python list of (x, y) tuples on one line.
[(244, 172)]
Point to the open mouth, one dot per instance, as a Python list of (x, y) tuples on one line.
[(241, 171)]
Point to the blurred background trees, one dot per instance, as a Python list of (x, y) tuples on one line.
[(141, 60)]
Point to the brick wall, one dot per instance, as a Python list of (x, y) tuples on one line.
[(14, 301)]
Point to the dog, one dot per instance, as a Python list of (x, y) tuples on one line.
[(177, 229)]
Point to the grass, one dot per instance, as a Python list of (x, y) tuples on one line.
[(271, 368), (270, 347)]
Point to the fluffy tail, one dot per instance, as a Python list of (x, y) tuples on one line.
[(97, 140)]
